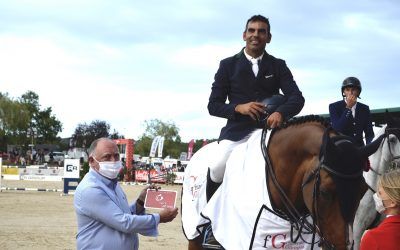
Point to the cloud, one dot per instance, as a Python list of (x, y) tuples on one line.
[(125, 62)]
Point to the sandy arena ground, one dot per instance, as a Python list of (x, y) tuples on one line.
[(46, 220)]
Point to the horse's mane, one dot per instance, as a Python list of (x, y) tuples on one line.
[(301, 120), (305, 119)]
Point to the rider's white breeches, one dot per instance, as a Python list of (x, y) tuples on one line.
[(219, 158)]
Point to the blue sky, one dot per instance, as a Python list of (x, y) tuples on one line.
[(130, 61)]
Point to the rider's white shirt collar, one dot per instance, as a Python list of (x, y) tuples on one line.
[(249, 57)]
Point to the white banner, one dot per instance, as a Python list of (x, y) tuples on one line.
[(154, 145), (71, 168), (160, 146), (183, 156)]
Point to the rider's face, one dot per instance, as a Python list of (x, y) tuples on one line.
[(256, 36), (351, 91)]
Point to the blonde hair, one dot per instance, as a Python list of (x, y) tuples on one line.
[(390, 182)]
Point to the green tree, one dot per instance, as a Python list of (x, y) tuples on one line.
[(14, 120), (85, 134), (157, 127), (116, 135), (47, 126), (42, 123), (143, 145)]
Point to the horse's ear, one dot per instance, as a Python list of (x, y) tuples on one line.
[(389, 119), (327, 146), (371, 148)]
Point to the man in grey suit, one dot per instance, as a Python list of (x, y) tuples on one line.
[(246, 79)]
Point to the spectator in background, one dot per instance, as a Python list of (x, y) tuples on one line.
[(51, 157), (41, 156), (387, 201), (22, 161), (105, 220), (350, 117)]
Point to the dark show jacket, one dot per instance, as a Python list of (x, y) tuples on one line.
[(343, 121), (385, 236), (236, 82)]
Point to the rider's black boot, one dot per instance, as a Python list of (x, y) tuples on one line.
[(211, 186)]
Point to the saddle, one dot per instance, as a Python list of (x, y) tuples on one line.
[(271, 104)]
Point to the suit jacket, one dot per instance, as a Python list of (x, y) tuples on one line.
[(236, 82), (343, 121), (385, 236)]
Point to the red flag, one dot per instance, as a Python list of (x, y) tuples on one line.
[(190, 149)]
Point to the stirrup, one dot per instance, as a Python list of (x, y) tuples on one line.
[(209, 242)]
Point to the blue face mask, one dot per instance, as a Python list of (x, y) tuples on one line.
[(109, 169)]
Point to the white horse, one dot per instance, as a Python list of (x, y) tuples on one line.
[(386, 157)]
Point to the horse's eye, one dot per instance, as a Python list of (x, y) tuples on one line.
[(392, 139), (326, 195)]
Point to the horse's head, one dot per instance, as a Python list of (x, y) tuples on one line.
[(337, 186), (391, 150)]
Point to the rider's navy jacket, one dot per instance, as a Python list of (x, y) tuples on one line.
[(235, 82), (343, 121)]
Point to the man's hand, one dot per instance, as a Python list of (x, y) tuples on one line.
[(168, 214), (253, 109), (274, 120), (350, 100)]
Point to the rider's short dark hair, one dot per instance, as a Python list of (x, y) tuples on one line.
[(258, 18)]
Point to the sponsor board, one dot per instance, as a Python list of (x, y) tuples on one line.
[(179, 177), (40, 178), (71, 168)]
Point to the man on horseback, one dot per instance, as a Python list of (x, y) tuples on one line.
[(350, 117), (246, 79)]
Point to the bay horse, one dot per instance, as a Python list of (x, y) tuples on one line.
[(386, 158), (309, 176)]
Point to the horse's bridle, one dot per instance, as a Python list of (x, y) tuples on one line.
[(395, 132), (296, 219), (388, 132)]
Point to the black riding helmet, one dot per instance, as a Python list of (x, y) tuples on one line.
[(351, 82)]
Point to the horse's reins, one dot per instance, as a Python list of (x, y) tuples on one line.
[(297, 220)]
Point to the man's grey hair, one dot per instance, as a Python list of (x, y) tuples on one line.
[(93, 146)]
